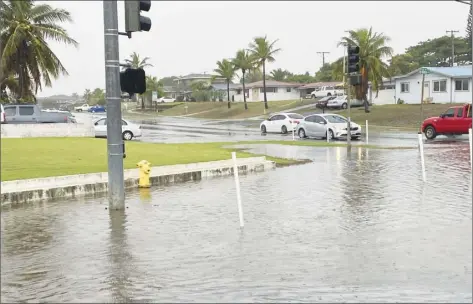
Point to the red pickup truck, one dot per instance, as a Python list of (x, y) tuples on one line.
[(454, 121)]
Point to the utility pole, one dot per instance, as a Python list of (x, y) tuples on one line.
[(323, 57), (453, 45), (116, 186)]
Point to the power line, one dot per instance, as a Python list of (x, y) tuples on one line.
[(323, 57), (452, 62)]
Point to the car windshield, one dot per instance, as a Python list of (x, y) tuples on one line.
[(335, 119), (295, 116)]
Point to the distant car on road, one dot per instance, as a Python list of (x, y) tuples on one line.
[(82, 108), (281, 123), (97, 109), (317, 125), (129, 129), (322, 103), (454, 121), (166, 99), (340, 102)]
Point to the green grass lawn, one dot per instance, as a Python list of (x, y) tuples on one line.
[(219, 110), (23, 158)]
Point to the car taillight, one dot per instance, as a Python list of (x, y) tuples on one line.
[(293, 121), (139, 127)]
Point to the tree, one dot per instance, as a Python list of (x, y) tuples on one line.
[(252, 75), (98, 97), (301, 78), (279, 74), (264, 51), (152, 85), (325, 73), (226, 69), (25, 28), (468, 28), (137, 63), (87, 95), (373, 48), (402, 64), (244, 62)]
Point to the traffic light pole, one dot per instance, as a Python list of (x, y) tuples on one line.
[(116, 187)]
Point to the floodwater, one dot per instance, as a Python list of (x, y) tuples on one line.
[(356, 226)]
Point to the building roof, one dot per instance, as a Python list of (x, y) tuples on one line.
[(197, 76), (270, 83), (455, 71)]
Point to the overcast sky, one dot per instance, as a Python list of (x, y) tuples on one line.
[(189, 37)]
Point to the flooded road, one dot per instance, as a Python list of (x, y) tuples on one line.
[(358, 226)]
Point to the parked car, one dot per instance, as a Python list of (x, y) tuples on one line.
[(129, 130), (97, 109), (317, 125), (30, 114), (166, 99), (82, 108), (322, 103), (281, 123), (454, 121), (3, 118), (340, 102), (326, 91)]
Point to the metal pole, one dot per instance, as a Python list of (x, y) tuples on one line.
[(348, 108), (116, 187), (452, 62)]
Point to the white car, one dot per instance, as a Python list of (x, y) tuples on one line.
[(281, 123), (129, 130), (341, 102), (166, 99), (82, 108), (318, 125)]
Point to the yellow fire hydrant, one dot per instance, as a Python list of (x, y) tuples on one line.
[(145, 169)]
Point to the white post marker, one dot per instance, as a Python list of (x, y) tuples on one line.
[(470, 134), (292, 126), (237, 186), (328, 135), (421, 150), (366, 131)]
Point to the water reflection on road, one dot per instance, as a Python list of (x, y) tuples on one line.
[(351, 226)]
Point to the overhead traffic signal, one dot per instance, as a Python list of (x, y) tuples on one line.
[(134, 22), (353, 59), (133, 81)]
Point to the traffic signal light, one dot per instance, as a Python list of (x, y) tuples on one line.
[(133, 81), (134, 22), (353, 59)]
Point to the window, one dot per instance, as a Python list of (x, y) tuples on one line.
[(460, 112), (404, 87), (101, 122), (335, 119), (461, 85), (288, 90), (10, 111), (295, 116), (310, 118), (319, 119), (269, 90), (277, 117), (238, 91), (449, 113), (124, 123), (25, 111), (440, 86)]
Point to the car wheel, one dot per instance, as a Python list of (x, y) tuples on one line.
[(330, 134), (263, 129), (127, 135), (430, 132), (344, 106), (284, 130), (329, 94), (312, 96), (302, 133)]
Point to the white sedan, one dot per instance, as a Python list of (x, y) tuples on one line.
[(166, 99), (338, 103), (318, 125), (129, 130), (281, 123)]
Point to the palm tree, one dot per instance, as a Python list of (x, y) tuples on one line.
[(137, 63), (244, 62), (372, 49), (152, 85), (25, 28), (264, 51), (226, 69), (279, 74), (87, 95)]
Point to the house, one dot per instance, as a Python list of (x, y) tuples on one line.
[(441, 85), (185, 82), (275, 90), (222, 87)]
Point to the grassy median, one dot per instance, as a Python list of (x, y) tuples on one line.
[(219, 110)]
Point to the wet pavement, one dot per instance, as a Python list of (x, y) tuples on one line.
[(356, 226)]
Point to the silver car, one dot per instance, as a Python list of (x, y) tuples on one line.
[(318, 125)]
